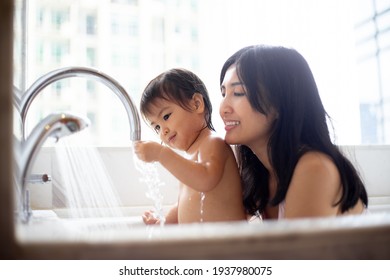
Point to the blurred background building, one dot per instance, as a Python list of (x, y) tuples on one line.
[(347, 45)]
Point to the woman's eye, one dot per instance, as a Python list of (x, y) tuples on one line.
[(239, 93), (157, 129)]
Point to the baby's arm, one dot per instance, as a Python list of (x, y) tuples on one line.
[(202, 175)]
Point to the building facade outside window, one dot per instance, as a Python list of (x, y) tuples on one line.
[(133, 41)]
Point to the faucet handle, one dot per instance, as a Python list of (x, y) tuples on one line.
[(38, 178)]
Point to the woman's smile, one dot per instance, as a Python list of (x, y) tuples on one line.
[(229, 125)]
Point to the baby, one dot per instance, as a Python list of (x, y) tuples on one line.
[(177, 106)]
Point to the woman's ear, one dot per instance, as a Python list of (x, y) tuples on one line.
[(198, 102)]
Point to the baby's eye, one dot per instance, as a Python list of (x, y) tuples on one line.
[(166, 117), (157, 129)]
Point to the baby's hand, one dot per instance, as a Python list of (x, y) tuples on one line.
[(147, 151), (150, 218)]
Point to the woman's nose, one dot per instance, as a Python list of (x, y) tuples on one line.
[(224, 107)]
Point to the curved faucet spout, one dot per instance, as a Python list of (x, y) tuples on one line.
[(67, 72), (54, 125)]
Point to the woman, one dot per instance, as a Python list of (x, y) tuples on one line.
[(274, 115)]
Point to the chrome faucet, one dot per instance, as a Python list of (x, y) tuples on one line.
[(67, 72), (54, 125), (33, 142)]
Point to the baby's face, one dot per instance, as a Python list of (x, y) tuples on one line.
[(177, 127)]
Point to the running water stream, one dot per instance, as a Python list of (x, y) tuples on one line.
[(87, 186), (85, 182), (151, 177), (202, 198)]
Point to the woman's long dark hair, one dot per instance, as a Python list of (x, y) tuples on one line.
[(280, 78)]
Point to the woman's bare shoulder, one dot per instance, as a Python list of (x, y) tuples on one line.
[(314, 188), (315, 161)]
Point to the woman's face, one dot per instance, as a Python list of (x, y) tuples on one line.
[(243, 124)]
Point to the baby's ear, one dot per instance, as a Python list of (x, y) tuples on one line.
[(198, 102)]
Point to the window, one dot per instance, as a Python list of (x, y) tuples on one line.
[(133, 27), (59, 50), (40, 17), (124, 26), (373, 61), (91, 57), (91, 86), (40, 52), (132, 42), (91, 24), (58, 18)]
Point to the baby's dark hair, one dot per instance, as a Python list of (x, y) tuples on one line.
[(177, 85)]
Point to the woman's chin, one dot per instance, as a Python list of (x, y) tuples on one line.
[(231, 140)]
